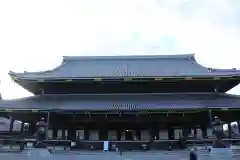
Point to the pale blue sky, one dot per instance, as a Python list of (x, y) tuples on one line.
[(34, 35)]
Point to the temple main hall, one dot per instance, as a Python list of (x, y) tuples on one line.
[(128, 99)]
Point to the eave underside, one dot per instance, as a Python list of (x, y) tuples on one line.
[(121, 102), (139, 86)]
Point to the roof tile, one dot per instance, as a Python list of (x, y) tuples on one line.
[(123, 102)]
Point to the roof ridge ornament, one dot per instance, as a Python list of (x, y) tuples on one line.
[(222, 70), (192, 57), (210, 69)]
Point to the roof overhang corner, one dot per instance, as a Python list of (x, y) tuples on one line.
[(14, 76), (65, 59)]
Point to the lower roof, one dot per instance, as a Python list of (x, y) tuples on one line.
[(123, 102)]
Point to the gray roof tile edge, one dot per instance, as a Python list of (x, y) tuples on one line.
[(32, 101)]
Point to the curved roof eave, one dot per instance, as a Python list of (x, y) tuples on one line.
[(25, 75), (150, 102), (66, 59), (46, 72)]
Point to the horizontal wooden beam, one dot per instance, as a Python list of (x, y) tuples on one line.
[(134, 79)]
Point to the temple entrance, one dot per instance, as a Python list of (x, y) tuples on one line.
[(129, 134)]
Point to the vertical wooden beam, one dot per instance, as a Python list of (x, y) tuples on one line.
[(63, 133), (238, 125), (22, 126), (170, 132), (229, 130), (86, 133), (106, 116), (11, 124), (55, 132), (204, 132), (73, 134), (156, 131), (54, 125), (48, 119), (89, 115), (119, 132), (210, 116), (72, 129)]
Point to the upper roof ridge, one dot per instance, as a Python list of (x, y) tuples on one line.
[(129, 57)]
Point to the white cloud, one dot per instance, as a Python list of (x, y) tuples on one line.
[(34, 35)]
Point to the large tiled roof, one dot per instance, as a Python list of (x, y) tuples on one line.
[(125, 66), (123, 102)]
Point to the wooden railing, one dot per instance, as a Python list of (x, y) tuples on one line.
[(114, 145)]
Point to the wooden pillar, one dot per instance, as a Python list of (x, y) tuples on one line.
[(229, 130), (210, 119), (119, 134), (11, 124), (71, 133), (138, 134), (204, 131), (86, 133), (22, 127), (238, 124), (170, 133), (138, 128), (157, 132), (185, 128), (63, 134), (48, 119), (72, 129), (210, 116), (103, 133), (186, 131), (55, 131), (151, 131)]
